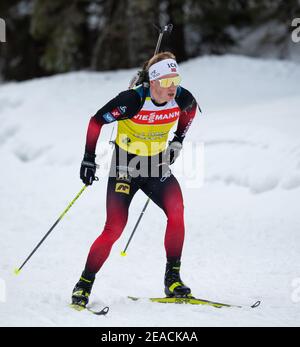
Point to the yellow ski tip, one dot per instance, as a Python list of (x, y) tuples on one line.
[(123, 254), (17, 272)]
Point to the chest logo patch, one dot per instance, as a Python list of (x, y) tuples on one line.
[(158, 117)]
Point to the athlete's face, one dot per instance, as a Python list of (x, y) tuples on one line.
[(160, 92)]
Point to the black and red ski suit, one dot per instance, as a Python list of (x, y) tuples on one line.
[(141, 121)]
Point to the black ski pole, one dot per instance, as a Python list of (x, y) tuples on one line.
[(123, 253), (163, 30), (17, 271), (167, 29)]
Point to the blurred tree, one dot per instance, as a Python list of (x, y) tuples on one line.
[(176, 13), (270, 27), (126, 35), (60, 26), (213, 20), (142, 15), (50, 36), (110, 50), (19, 56)]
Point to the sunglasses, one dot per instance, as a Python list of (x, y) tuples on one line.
[(167, 82)]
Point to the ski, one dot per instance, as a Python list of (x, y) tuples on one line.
[(80, 308), (193, 301)]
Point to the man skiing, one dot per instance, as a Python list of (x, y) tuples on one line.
[(141, 160)]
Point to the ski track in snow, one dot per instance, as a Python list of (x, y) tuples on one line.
[(242, 226)]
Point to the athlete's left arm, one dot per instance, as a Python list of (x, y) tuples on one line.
[(188, 106)]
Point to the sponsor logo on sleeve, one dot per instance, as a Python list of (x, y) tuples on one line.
[(109, 117), (116, 113), (122, 109)]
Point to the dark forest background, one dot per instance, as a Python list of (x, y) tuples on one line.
[(45, 37)]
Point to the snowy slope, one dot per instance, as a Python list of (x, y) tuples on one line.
[(242, 226)]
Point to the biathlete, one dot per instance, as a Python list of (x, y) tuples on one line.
[(141, 159)]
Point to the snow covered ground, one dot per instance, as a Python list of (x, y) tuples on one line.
[(242, 225)]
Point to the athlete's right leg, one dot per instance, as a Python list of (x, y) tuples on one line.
[(120, 191)]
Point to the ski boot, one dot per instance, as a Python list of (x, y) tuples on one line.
[(174, 287), (82, 289)]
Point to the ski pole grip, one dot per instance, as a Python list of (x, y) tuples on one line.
[(168, 28)]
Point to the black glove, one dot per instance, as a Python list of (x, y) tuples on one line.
[(88, 169), (173, 151)]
